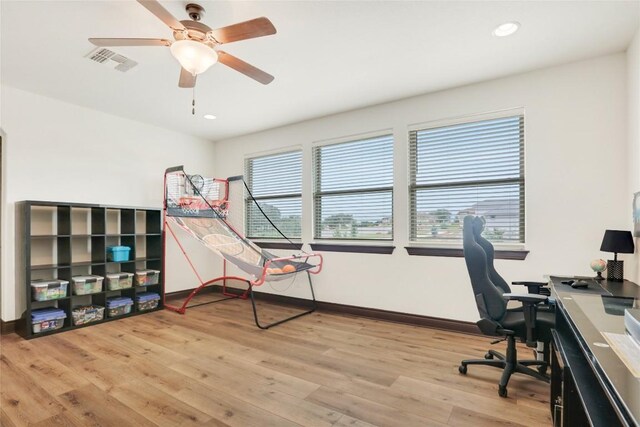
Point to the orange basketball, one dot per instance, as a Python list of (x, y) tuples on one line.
[(276, 271), (288, 268)]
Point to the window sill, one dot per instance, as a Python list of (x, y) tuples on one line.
[(458, 253), (278, 245), (353, 248)]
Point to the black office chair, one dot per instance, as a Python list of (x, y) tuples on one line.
[(526, 323), (532, 287)]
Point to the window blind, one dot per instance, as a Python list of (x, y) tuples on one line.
[(474, 168), (276, 183), (353, 194)]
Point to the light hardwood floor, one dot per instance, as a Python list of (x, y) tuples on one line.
[(213, 367)]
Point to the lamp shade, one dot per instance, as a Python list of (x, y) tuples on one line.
[(195, 57), (618, 241)]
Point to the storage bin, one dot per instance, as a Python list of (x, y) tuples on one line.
[(119, 281), (147, 301), (45, 290), (84, 285), (119, 306), (47, 319), (118, 253), (87, 314), (147, 277)]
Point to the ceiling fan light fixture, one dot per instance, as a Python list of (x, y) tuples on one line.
[(195, 57)]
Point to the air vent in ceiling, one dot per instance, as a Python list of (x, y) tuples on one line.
[(102, 55)]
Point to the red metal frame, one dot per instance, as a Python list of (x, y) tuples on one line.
[(250, 283), (183, 308), (165, 226)]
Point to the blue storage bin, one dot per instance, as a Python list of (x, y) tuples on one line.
[(118, 253), (147, 301), (119, 306), (47, 319)]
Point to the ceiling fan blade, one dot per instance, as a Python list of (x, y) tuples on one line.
[(246, 69), (186, 79), (163, 14), (258, 27), (129, 42)]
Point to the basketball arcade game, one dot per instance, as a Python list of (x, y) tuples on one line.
[(200, 207)]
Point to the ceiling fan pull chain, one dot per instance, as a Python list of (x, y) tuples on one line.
[(193, 102)]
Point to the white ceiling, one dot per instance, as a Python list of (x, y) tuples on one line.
[(327, 57)]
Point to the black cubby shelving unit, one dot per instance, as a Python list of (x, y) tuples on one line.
[(62, 240)]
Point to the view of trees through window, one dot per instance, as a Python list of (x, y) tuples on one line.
[(276, 184), (346, 217), (285, 215), (354, 189)]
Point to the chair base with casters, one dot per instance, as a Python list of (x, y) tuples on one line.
[(510, 364)]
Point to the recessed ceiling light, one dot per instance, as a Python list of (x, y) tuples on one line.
[(506, 29), (209, 116)]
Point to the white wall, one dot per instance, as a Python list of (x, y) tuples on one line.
[(577, 164), (632, 269), (576, 174), (62, 152)]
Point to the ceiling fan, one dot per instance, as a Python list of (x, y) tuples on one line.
[(195, 43)]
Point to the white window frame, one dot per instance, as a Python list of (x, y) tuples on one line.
[(248, 201), (511, 112), (316, 185)]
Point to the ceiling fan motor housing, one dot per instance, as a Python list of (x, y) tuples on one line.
[(194, 31), (195, 11)]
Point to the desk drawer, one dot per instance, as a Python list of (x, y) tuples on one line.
[(573, 406), (559, 378)]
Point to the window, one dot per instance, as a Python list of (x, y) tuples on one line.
[(353, 193), (473, 168), (276, 183)]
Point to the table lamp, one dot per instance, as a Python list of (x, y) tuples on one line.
[(616, 241)]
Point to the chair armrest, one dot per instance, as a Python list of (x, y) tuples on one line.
[(526, 298), (526, 283), (534, 287), (529, 310)]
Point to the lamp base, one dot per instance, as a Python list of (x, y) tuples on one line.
[(615, 270)]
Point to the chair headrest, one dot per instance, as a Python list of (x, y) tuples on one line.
[(468, 232), (478, 225)]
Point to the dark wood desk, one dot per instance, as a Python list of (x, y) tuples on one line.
[(590, 384)]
